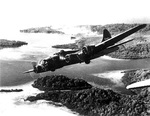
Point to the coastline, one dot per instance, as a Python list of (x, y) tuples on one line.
[(16, 103), (114, 76)]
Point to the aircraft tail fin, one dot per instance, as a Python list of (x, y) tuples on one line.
[(106, 35)]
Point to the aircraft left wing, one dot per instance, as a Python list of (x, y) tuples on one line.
[(62, 52), (141, 84)]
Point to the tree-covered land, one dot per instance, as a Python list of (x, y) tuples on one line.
[(11, 43)]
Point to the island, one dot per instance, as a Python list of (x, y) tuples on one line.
[(47, 30), (89, 100), (4, 43), (11, 90)]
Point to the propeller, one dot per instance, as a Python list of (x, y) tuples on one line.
[(31, 70)]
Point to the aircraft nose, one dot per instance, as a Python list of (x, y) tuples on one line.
[(39, 68)]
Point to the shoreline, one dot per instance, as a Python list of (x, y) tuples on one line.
[(16, 103), (114, 76)]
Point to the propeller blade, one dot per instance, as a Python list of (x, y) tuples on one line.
[(34, 64), (31, 70)]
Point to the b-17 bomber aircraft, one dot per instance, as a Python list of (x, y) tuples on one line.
[(86, 54)]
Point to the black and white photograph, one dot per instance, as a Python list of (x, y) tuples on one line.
[(75, 58)]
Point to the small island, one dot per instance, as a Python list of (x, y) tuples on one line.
[(11, 43), (11, 90), (90, 100), (60, 82), (47, 30)]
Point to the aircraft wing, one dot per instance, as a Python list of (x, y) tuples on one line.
[(114, 47), (141, 84), (120, 44), (66, 52), (71, 51), (121, 36)]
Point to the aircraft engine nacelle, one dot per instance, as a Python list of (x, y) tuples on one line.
[(87, 52)]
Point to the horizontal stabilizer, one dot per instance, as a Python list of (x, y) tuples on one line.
[(140, 84)]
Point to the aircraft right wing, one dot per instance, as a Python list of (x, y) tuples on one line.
[(141, 84), (121, 36), (114, 47)]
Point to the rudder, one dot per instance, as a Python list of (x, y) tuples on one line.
[(106, 35)]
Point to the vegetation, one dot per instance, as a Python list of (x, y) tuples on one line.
[(60, 83), (8, 43), (132, 52), (92, 101)]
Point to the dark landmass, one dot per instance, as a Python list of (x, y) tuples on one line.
[(48, 30), (11, 44), (91, 101), (138, 51), (11, 90), (136, 76), (60, 82)]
